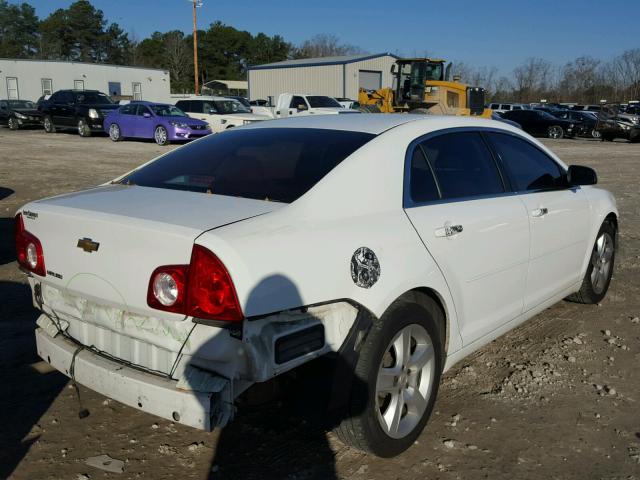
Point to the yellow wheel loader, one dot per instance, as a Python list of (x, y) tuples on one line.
[(423, 85)]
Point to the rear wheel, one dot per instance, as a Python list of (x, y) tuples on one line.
[(48, 124), (114, 132), (555, 131), (398, 373), (83, 128), (161, 136), (600, 270), (13, 123)]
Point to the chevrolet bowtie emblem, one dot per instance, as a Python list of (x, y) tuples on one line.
[(88, 245)]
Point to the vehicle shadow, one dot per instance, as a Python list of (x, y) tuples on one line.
[(7, 247), (6, 192), (26, 394), (285, 434)]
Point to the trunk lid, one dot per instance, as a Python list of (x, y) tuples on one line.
[(103, 244)]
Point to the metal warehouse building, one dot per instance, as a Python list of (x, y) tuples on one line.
[(334, 76), (30, 79)]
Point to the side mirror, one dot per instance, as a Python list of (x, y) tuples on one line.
[(146, 115), (301, 107), (579, 175)]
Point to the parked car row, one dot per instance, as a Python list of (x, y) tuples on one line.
[(557, 121)]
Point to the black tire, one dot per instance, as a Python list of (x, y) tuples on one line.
[(634, 137), (369, 108), (555, 132), (606, 138), (361, 427), (48, 125), (13, 123), (590, 292), (83, 128)]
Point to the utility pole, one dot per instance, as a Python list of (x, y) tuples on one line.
[(196, 3)]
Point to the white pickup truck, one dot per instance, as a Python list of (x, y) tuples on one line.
[(293, 104)]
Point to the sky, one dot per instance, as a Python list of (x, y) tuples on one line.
[(500, 33)]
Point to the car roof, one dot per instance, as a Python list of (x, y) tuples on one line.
[(376, 123)]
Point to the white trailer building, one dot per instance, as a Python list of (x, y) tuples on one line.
[(30, 79), (339, 76)]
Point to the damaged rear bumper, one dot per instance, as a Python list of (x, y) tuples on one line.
[(144, 391)]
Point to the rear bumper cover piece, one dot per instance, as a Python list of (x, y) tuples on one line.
[(144, 391)]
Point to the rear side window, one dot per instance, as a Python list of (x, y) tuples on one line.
[(129, 109), (278, 164), (422, 185), (463, 165), (529, 168)]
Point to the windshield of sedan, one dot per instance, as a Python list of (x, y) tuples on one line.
[(167, 111), (316, 101), (89, 98), (21, 104), (276, 164)]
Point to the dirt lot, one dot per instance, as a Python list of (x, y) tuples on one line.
[(557, 398)]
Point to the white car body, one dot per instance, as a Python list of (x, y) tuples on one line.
[(206, 108), (290, 265)]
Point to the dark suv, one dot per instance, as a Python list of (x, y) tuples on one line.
[(81, 110)]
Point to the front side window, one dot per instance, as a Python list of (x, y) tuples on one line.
[(142, 109), (128, 109), (298, 102), (463, 165), (529, 168), (277, 164)]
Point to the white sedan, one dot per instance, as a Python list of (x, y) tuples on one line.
[(395, 245)]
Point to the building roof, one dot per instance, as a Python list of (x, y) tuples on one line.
[(315, 62), (231, 84), (92, 64)]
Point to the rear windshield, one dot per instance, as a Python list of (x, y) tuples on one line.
[(276, 164)]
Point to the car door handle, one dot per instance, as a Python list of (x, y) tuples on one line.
[(539, 212), (449, 230)]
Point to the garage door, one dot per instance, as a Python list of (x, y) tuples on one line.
[(370, 80)]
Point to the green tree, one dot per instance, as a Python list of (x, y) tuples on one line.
[(18, 30)]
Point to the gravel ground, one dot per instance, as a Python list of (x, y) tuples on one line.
[(557, 398)]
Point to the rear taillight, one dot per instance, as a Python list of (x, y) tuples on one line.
[(28, 249), (167, 288), (202, 289)]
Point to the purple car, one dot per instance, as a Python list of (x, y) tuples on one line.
[(160, 121)]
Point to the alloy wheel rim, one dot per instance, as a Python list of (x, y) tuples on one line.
[(12, 123), (161, 135), (81, 127), (555, 132), (114, 132), (47, 124), (601, 261), (595, 134), (405, 380)]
